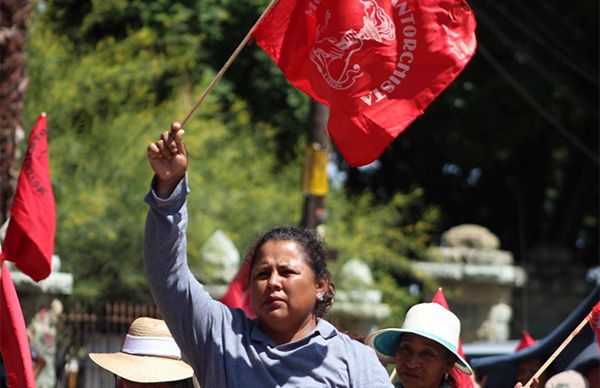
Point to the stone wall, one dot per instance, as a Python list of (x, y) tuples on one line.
[(555, 286), (478, 280)]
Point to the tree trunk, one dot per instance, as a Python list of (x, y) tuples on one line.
[(315, 174), (13, 33)]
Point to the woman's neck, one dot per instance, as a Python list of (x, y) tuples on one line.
[(283, 335)]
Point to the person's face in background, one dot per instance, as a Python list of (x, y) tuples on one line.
[(122, 383), (421, 362), (527, 367), (592, 374)]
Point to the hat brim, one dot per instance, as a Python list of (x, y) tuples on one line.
[(385, 343), (143, 369)]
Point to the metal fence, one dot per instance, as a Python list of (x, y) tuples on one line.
[(94, 329)]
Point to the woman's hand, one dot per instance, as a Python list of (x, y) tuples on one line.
[(168, 158)]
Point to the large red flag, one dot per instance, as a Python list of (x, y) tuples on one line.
[(238, 292), (463, 380), (29, 240), (377, 64), (14, 344)]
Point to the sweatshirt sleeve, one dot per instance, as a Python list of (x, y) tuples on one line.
[(367, 371), (197, 322)]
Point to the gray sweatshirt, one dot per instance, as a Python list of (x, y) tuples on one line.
[(225, 348)]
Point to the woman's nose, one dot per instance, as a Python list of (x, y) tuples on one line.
[(410, 361), (274, 281)]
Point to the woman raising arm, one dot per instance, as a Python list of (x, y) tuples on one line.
[(289, 343)]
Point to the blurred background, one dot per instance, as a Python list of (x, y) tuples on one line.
[(492, 194)]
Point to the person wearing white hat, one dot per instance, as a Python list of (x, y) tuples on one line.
[(149, 357), (424, 349)]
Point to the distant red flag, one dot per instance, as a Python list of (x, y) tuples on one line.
[(29, 240), (377, 64), (595, 321), (14, 344), (238, 292), (526, 341), (462, 379)]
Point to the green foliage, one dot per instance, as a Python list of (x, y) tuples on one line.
[(112, 74)]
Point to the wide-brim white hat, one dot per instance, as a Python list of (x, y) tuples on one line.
[(149, 355), (429, 320)]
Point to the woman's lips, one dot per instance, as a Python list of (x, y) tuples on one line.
[(273, 300), (409, 375)]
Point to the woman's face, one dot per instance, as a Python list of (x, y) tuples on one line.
[(527, 367), (421, 362), (284, 290)]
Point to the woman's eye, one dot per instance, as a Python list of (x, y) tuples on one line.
[(428, 355)]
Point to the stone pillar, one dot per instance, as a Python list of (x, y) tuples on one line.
[(221, 261), (357, 309), (478, 280)]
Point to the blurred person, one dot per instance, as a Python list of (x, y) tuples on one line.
[(588, 364), (528, 366), (478, 382), (289, 343), (149, 357), (424, 350)]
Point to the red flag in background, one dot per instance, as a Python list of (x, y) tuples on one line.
[(595, 322), (376, 64), (14, 344), (238, 292), (526, 341), (29, 240), (463, 379)]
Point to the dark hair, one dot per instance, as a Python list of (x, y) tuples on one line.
[(185, 383), (315, 255)]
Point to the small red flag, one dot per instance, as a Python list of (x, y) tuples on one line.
[(14, 344), (526, 341), (376, 64), (595, 322), (29, 240), (462, 379), (238, 292)]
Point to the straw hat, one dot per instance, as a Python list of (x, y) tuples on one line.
[(429, 320), (149, 355)]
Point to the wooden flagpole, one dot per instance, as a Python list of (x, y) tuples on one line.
[(219, 75), (558, 350)]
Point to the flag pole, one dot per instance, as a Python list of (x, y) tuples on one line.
[(219, 75), (559, 350)]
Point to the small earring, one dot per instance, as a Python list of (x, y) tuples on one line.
[(319, 297)]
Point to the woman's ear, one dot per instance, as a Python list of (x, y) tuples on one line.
[(322, 286), (450, 362)]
